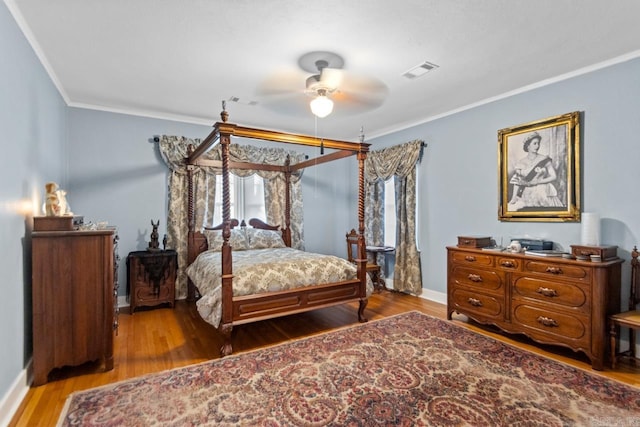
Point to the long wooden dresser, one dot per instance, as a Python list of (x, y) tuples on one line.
[(74, 299), (552, 300)]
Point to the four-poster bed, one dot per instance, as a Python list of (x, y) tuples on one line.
[(241, 309)]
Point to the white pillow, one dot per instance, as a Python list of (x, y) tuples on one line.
[(237, 240), (264, 239)]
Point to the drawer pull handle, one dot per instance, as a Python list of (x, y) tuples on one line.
[(470, 258), (547, 321), (474, 302), (554, 270), (509, 264), (547, 292), (474, 278)]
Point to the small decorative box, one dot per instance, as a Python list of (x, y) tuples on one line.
[(605, 252), (474, 241), (53, 223)]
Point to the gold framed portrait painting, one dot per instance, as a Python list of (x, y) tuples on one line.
[(539, 169)]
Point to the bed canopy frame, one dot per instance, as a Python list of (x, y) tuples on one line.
[(245, 309)]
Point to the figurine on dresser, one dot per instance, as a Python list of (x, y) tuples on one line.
[(154, 244), (515, 247), (56, 200)]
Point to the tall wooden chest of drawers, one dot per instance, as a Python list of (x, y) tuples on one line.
[(551, 300), (74, 307)]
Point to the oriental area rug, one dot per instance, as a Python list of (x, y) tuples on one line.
[(409, 370)]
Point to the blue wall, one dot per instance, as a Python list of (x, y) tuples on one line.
[(113, 172), (34, 143), (116, 174), (458, 177)]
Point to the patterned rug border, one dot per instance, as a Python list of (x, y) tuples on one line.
[(294, 341), (242, 353), (588, 370), (347, 327)]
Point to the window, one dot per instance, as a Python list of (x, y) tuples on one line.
[(246, 196), (390, 213)]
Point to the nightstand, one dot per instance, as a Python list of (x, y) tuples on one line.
[(151, 278)]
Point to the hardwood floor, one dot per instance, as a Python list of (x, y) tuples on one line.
[(164, 338)]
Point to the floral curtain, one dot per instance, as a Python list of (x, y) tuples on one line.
[(174, 151), (399, 162)]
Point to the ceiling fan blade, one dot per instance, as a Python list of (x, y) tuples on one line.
[(363, 85), (347, 103), (292, 104), (331, 78), (284, 82)]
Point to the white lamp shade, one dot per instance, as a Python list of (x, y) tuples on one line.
[(321, 106), (590, 235)]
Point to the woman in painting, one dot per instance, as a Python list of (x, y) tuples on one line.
[(533, 178)]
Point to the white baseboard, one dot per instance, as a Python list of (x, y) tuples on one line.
[(439, 297), (13, 397), (122, 301)]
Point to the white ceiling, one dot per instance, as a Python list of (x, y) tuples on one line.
[(178, 59)]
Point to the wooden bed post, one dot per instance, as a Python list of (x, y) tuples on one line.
[(191, 221), (226, 322), (286, 233), (362, 255)]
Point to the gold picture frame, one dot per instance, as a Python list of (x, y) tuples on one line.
[(539, 170)]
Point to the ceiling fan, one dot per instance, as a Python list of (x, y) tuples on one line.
[(329, 88)]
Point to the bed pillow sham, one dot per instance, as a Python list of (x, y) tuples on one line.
[(237, 240), (264, 239)]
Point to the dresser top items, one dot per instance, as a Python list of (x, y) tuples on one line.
[(540, 248)]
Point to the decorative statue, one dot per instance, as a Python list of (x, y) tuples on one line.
[(55, 203), (154, 244)]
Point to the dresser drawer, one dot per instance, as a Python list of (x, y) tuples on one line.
[(482, 280), (508, 263), (546, 325), (145, 293), (568, 294), (485, 306), (472, 258), (559, 270)]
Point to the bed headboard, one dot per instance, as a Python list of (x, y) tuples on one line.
[(198, 241)]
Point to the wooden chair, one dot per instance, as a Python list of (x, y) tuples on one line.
[(373, 269), (629, 319)]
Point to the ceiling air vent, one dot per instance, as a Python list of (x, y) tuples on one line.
[(419, 70), (242, 101)]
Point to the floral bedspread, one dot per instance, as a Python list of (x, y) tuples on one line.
[(264, 270)]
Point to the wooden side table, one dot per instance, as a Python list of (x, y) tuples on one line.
[(151, 278), (375, 250)]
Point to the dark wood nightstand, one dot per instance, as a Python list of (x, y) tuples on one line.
[(151, 278)]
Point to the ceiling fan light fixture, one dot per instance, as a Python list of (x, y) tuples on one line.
[(321, 105)]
